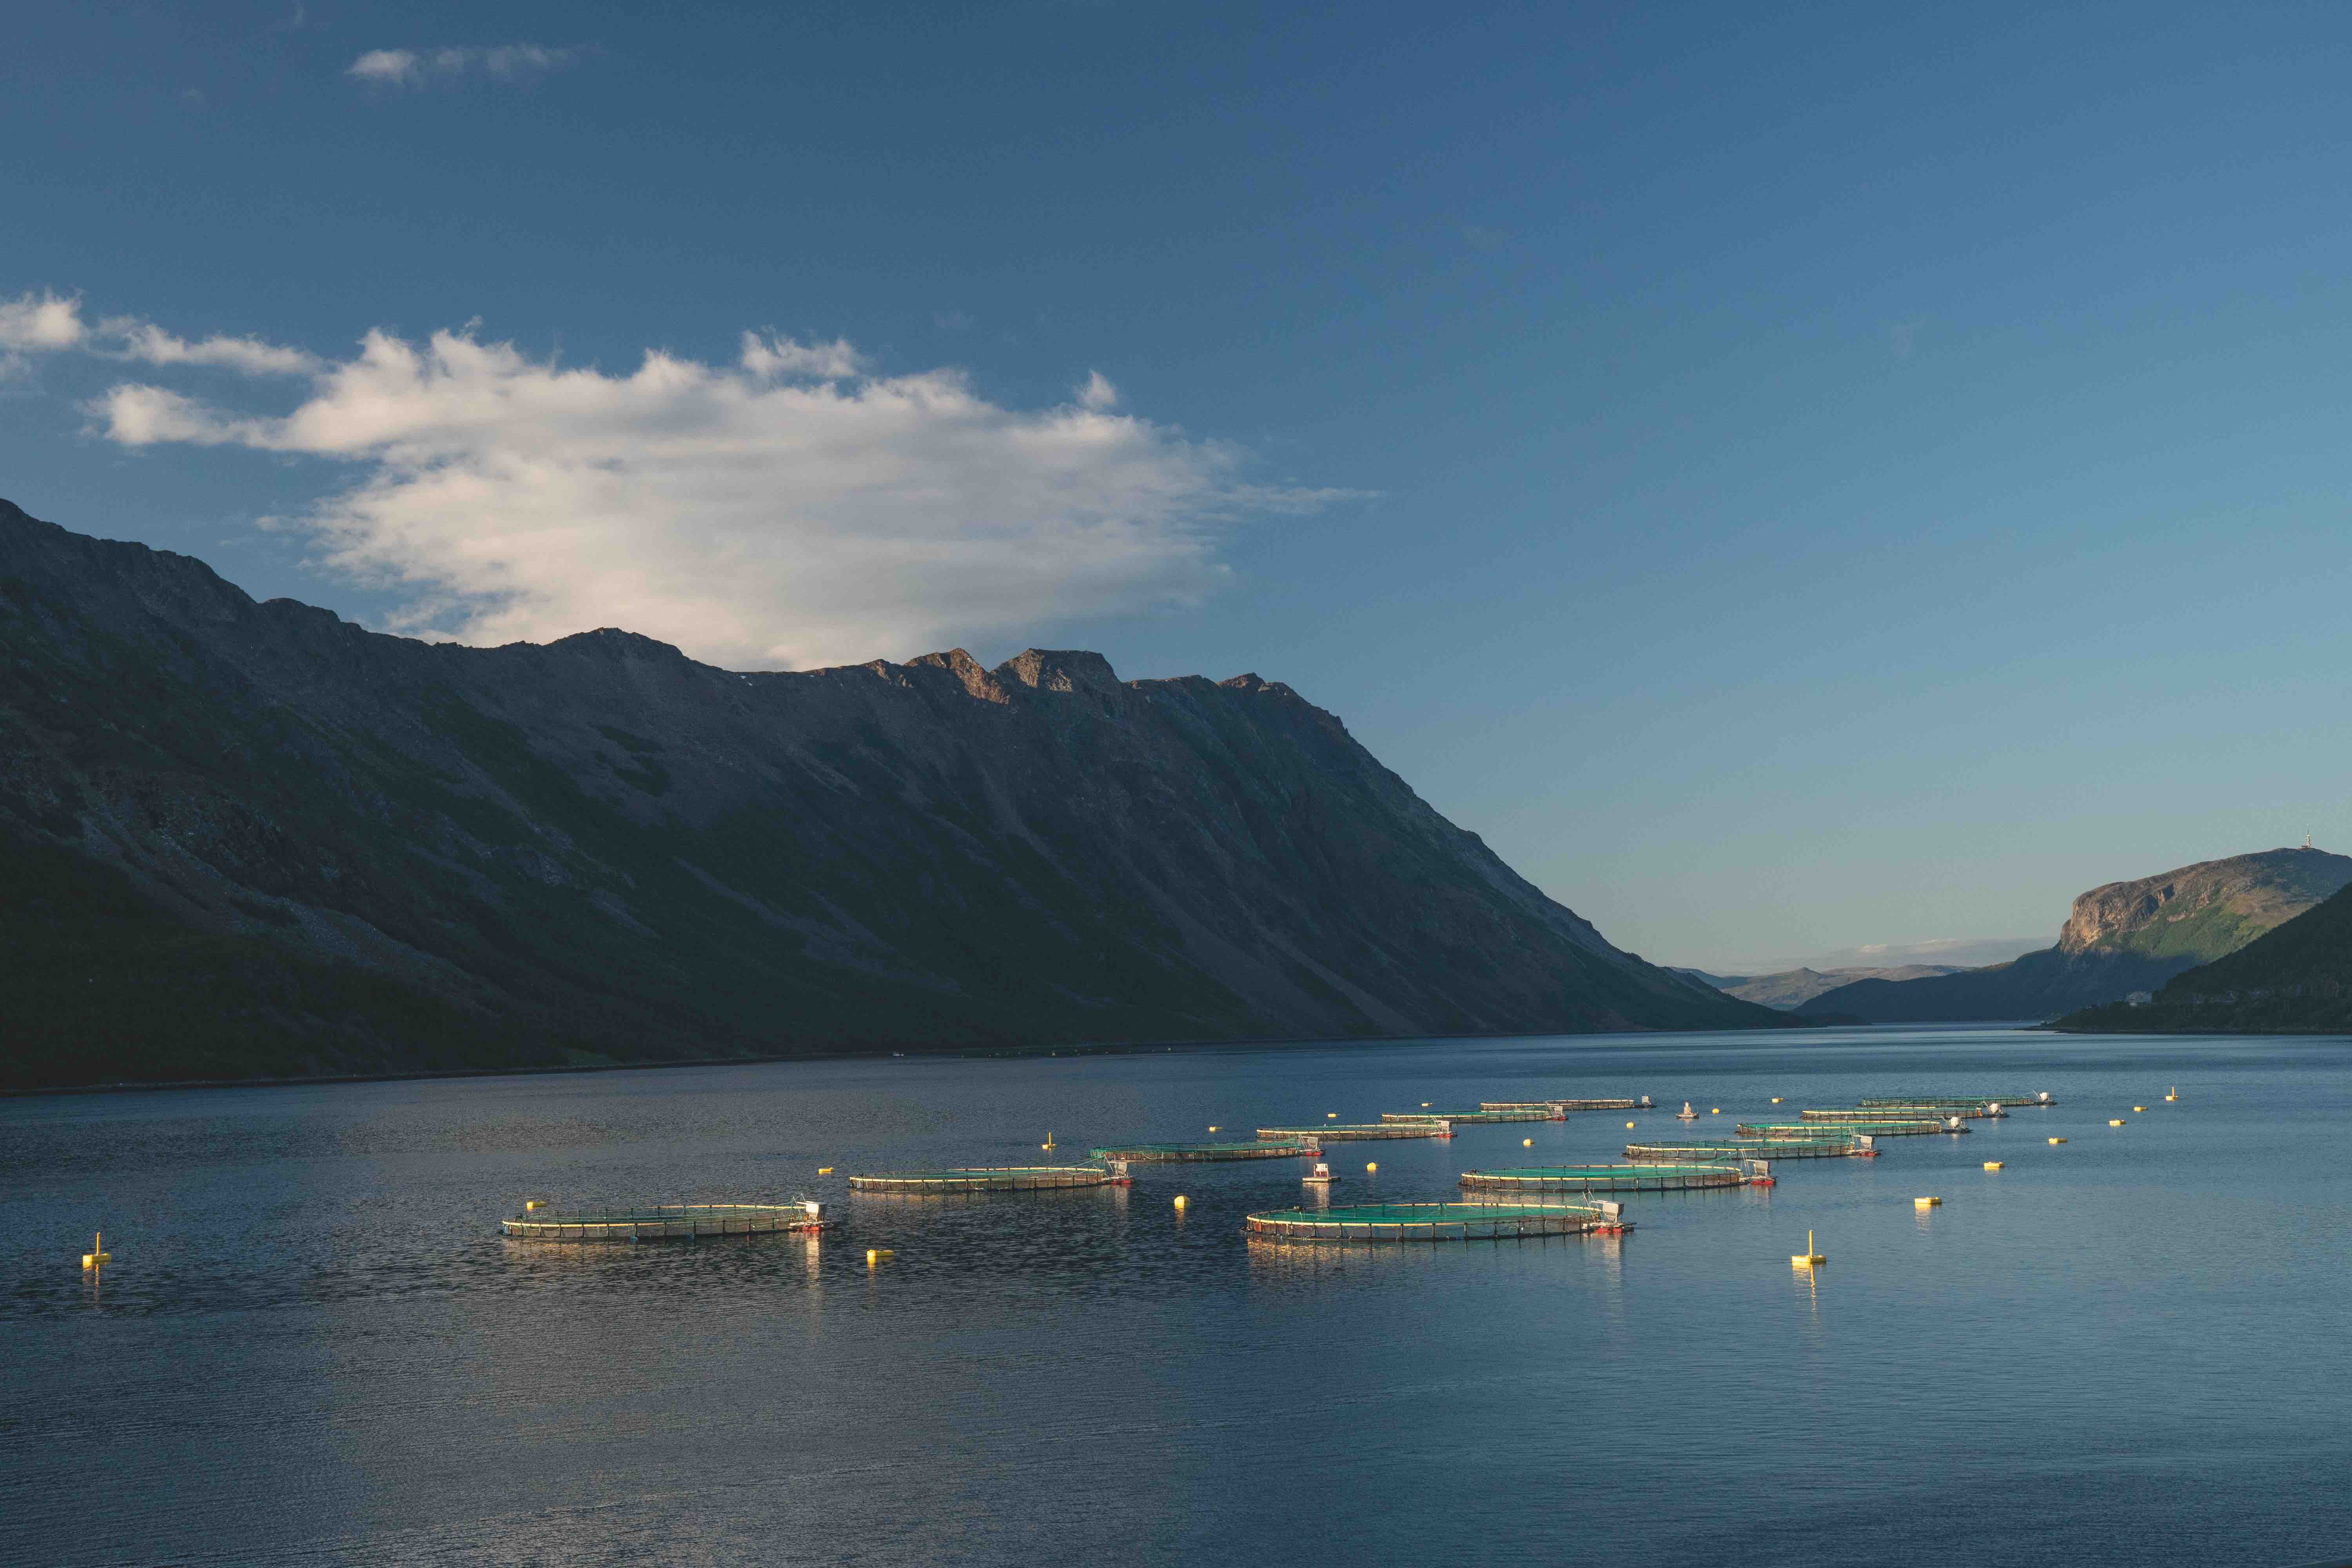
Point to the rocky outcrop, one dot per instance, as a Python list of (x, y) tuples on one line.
[(2118, 939), (246, 837)]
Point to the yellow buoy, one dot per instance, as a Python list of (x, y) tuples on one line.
[(1424, 1105), (1993, 1164), (1328, 1114), (1717, 1111), (1527, 1143), (874, 1255), (2057, 1140), (1213, 1127), (2139, 1108), (1048, 1143), (1629, 1126), (1809, 1257), (2173, 1093), (96, 1253), (2114, 1121), (1179, 1200), (824, 1169), (1926, 1203), (1776, 1099), (531, 1203), (1371, 1165)]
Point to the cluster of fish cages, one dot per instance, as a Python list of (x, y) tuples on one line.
[(986, 1179), (1804, 1131), (1435, 1222), (1504, 1113), (1645, 1178), (1360, 1130), (670, 1222), (1750, 1149), (1189, 1154)]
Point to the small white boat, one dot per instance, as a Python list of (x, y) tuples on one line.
[(1686, 1113), (1321, 1175)]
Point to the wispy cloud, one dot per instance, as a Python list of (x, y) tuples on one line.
[(792, 508), (420, 67), (49, 323)]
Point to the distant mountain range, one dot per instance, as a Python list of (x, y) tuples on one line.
[(241, 838), (2119, 939), (1793, 988)]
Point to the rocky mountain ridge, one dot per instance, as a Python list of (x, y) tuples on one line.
[(246, 837)]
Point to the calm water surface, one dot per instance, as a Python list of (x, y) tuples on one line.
[(314, 1347)]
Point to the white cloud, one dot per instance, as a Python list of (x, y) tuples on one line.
[(49, 323), (1096, 393), (792, 508), (41, 322), (415, 67), (148, 342)]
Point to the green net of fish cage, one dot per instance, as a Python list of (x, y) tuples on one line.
[(1432, 1222), (1745, 1149), (1640, 1178), (1185, 1153), (667, 1222), (1811, 1130), (1512, 1114), (1358, 1131), (984, 1179)]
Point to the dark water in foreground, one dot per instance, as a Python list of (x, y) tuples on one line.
[(315, 1347)]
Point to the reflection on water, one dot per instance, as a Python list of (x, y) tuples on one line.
[(315, 1346)]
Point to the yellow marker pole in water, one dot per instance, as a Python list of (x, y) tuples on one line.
[(1809, 1257), (97, 1254)]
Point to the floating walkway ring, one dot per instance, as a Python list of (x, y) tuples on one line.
[(1432, 1222), (1645, 1178), (1188, 1154), (986, 1179), (671, 1222)]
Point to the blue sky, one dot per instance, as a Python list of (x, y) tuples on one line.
[(1791, 478)]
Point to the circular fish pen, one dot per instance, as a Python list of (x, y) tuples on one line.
[(1188, 1153), (1359, 1129), (1810, 1131), (1431, 1221), (985, 1179), (1506, 1113), (1645, 1178), (670, 1222), (1746, 1148)]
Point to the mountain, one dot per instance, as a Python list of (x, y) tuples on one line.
[(2296, 978), (241, 838), (1792, 988), (2120, 938)]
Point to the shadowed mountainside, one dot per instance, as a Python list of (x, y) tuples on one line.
[(2118, 939), (244, 839)]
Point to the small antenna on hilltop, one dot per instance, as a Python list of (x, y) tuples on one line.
[(2306, 841)]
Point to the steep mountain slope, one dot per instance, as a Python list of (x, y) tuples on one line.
[(2296, 978), (246, 837), (1792, 988), (2118, 939)]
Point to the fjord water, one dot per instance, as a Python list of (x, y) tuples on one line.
[(314, 1346)]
